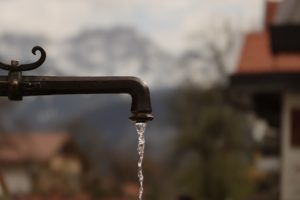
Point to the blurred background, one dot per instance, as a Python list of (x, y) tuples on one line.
[(223, 77)]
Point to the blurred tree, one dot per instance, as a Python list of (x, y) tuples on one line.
[(5, 107), (108, 170), (216, 47), (212, 146)]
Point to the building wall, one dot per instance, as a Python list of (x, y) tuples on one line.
[(17, 180), (290, 169)]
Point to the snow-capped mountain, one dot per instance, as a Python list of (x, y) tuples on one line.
[(119, 51)]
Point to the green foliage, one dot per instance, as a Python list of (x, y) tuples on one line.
[(211, 149)]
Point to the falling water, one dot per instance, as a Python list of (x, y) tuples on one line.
[(141, 127)]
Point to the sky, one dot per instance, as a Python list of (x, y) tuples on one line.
[(166, 22)]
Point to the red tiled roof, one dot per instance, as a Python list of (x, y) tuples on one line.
[(30, 147), (256, 57)]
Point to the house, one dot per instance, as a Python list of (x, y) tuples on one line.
[(269, 73), (40, 163)]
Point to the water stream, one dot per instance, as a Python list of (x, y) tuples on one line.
[(140, 128)]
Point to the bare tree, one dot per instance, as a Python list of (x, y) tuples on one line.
[(216, 47)]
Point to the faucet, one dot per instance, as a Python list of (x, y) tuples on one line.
[(15, 86)]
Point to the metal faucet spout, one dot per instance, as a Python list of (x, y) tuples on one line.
[(16, 86), (52, 85)]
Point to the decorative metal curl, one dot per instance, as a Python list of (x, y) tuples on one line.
[(26, 67)]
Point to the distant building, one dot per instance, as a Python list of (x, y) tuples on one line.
[(40, 163), (269, 72)]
